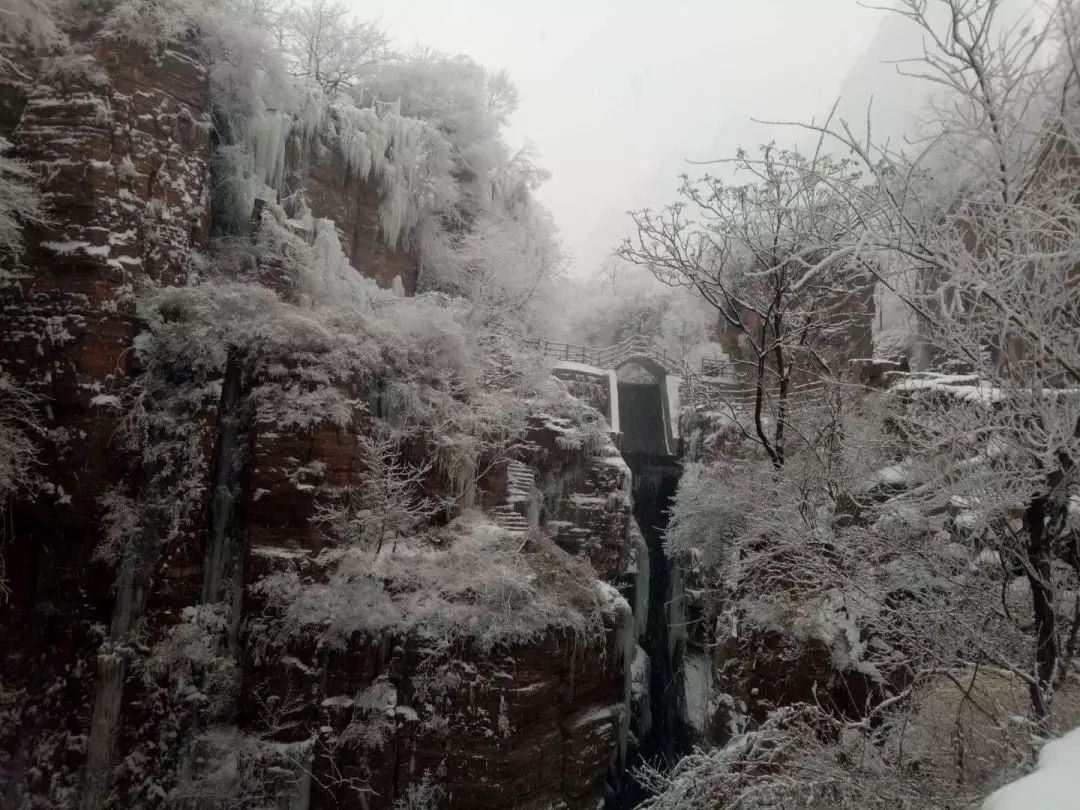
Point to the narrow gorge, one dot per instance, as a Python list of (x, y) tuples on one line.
[(332, 475), (188, 620)]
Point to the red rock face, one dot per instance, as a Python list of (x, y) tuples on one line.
[(593, 518), (534, 726), (122, 153), (520, 727)]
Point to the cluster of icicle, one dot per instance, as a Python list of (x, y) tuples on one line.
[(376, 144)]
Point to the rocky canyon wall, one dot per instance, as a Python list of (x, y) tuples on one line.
[(153, 650)]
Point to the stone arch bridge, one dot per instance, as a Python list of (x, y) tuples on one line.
[(646, 415)]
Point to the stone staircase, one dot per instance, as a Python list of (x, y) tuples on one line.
[(520, 483)]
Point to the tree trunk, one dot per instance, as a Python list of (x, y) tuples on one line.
[(1042, 599), (759, 398)]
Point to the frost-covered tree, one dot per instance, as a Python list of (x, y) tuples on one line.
[(761, 253), (506, 263), (464, 102), (33, 23), (942, 535), (983, 228), (19, 204), (153, 24), (619, 302), (388, 503), (18, 426), (327, 45)]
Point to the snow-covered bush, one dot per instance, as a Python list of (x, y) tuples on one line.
[(153, 24), (226, 770), (74, 68), (19, 425), (471, 582), (120, 527), (37, 23), (193, 662), (19, 203), (802, 757), (506, 263), (798, 757), (388, 502), (20, 429), (423, 795)]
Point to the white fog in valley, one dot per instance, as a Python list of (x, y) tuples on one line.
[(597, 405)]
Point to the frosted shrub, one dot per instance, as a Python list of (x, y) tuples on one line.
[(706, 514), (19, 203), (798, 757), (387, 504), (153, 24), (19, 428), (33, 22), (75, 68), (222, 769), (423, 795), (120, 525), (193, 662), (506, 264), (469, 584)]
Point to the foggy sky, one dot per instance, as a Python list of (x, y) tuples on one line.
[(616, 94)]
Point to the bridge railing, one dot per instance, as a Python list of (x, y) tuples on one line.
[(711, 393), (571, 352), (611, 357), (697, 388)]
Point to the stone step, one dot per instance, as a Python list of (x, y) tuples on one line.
[(524, 478), (512, 521), (511, 517), (520, 482)]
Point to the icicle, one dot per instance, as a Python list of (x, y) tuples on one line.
[(269, 130), (330, 277), (101, 747), (386, 148), (627, 646), (641, 581)]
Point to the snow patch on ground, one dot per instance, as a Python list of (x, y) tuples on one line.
[(1055, 785)]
